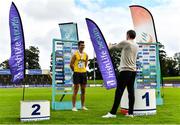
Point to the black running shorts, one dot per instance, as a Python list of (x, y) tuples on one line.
[(79, 78)]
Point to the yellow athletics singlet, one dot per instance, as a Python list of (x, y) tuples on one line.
[(79, 64)]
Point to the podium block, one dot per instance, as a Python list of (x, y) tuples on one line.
[(145, 102), (35, 110)]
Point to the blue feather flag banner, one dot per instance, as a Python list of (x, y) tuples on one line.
[(16, 61), (103, 56)]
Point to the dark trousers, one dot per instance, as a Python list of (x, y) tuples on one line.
[(125, 78)]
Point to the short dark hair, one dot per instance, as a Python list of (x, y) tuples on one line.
[(80, 42), (131, 34)]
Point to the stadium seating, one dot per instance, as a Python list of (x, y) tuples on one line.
[(34, 78)]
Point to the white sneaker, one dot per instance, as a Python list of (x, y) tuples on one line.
[(109, 115), (127, 115), (74, 109), (84, 108)]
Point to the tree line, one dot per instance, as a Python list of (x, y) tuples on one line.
[(31, 59)]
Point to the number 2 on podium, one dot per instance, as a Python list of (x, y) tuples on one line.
[(36, 109)]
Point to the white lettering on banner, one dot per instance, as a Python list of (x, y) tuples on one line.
[(98, 38), (111, 82), (15, 25), (18, 62), (18, 49), (17, 45), (104, 55), (106, 61), (18, 76)]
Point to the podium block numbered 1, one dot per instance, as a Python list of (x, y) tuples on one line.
[(35, 110), (145, 102)]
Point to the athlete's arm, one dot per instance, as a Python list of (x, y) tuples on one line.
[(72, 62), (86, 60)]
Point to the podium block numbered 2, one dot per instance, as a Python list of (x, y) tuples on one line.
[(35, 110)]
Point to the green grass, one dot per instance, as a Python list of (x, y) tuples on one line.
[(96, 81), (174, 78), (99, 102)]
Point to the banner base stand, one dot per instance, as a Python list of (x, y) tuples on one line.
[(65, 105), (159, 101)]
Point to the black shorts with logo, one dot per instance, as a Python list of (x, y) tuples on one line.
[(79, 78)]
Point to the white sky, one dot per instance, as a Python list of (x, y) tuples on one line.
[(40, 20)]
